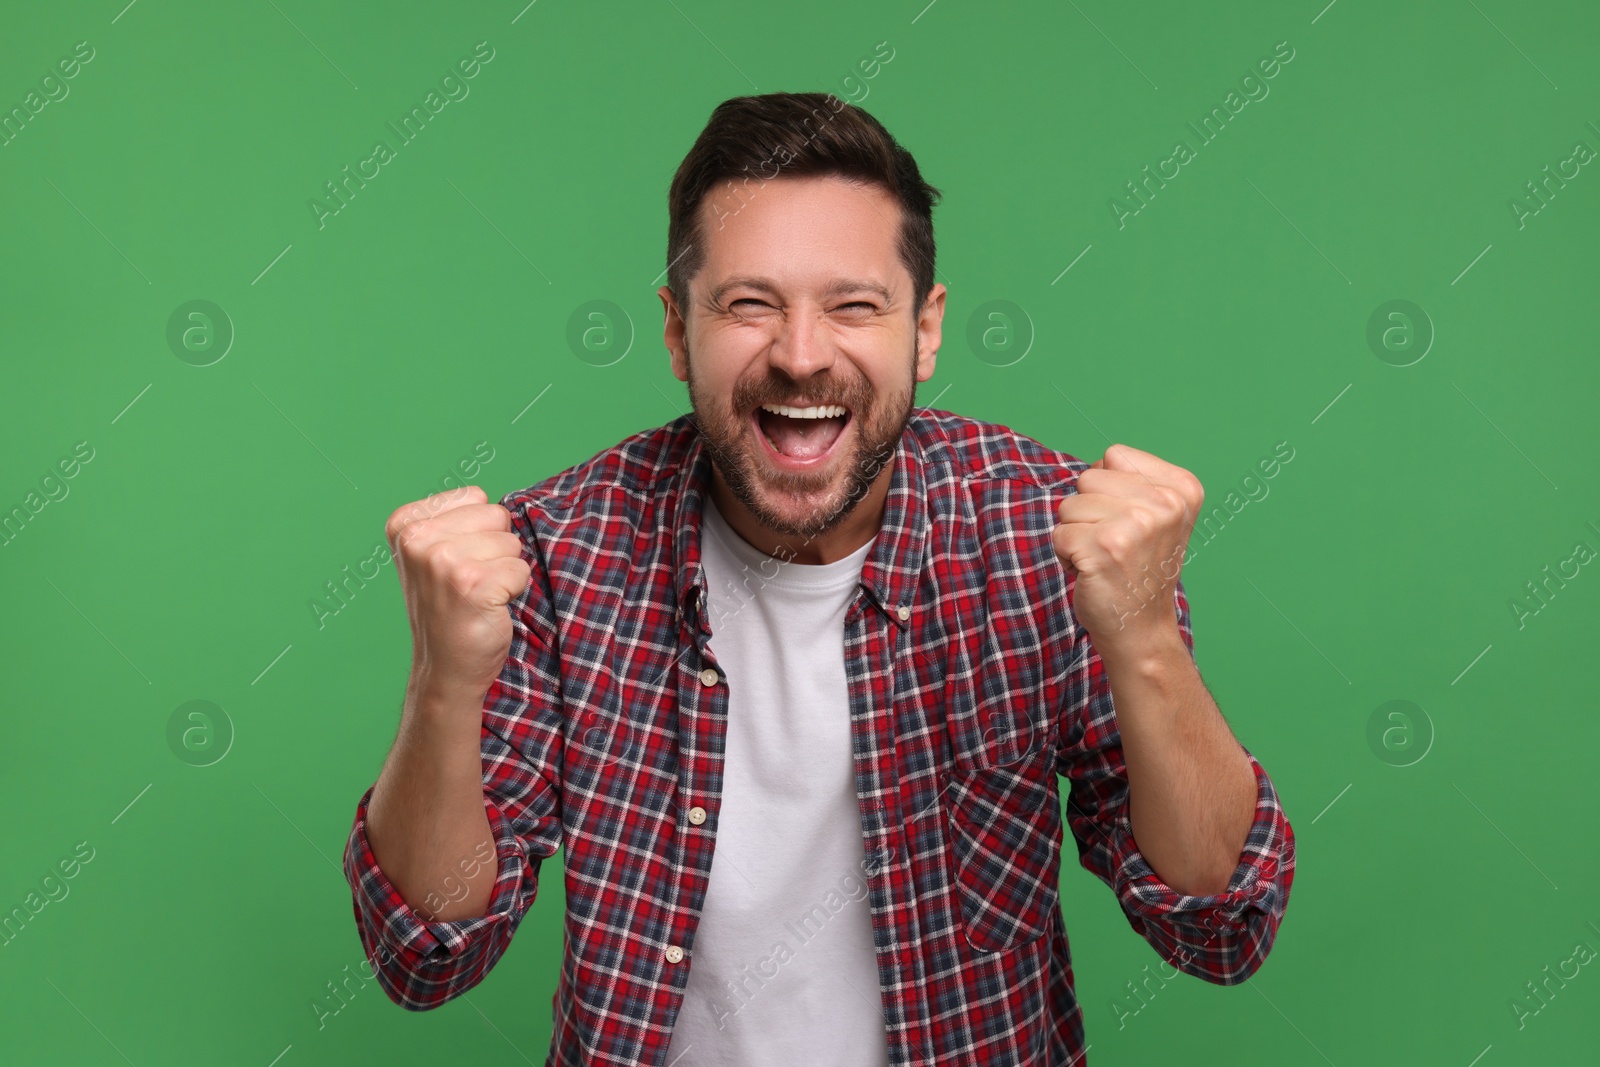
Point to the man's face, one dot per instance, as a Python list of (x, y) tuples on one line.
[(802, 301)]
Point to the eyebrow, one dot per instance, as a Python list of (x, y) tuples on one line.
[(837, 288)]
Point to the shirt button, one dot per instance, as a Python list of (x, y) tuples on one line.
[(674, 953), (697, 815), (904, 613), (708, 676)]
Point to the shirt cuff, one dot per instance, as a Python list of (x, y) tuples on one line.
[(1222, 937), (392, 929)]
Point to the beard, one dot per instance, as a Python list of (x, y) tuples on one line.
[(803, 504)]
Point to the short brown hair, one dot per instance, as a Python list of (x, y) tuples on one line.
[(796, 135)]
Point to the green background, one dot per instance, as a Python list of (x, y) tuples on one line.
[(1441, 867)]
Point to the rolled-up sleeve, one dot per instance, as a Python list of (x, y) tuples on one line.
[(1222, 937), (422, 964)]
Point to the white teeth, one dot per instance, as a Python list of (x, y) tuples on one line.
[(828, 411)]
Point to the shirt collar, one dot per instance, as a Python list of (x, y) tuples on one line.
[(891, 570)]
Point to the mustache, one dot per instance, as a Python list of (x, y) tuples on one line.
[(852, 399)]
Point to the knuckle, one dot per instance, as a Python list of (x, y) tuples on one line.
[(408, 544), (396, 522), (436, 554)]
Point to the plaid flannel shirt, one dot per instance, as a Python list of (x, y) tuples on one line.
[(972, 693)]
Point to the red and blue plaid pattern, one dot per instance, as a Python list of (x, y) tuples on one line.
[(972, 694)]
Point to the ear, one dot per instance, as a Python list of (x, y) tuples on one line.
[(672, 334), (930, 331)]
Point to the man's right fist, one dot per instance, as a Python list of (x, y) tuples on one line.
[(459, 565)]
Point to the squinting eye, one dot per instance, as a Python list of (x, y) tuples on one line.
[(746, 300), (861, 304)]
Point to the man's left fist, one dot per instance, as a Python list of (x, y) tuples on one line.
[(1124, 534)]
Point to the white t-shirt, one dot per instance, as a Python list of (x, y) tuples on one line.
[(783, 972)]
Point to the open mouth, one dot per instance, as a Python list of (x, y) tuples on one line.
[(801, 436)]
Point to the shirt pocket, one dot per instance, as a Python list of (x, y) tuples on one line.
[(1003, 817)]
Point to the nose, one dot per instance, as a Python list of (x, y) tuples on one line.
[(802, 346)]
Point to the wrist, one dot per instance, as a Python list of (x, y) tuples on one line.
[(438, 694), (1150, 653)]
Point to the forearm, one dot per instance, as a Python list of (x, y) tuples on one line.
[(1191, 788), (426, 814)]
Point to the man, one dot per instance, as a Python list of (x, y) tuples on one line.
[(794, 679)]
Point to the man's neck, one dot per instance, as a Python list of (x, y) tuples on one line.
[(859, 526)]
